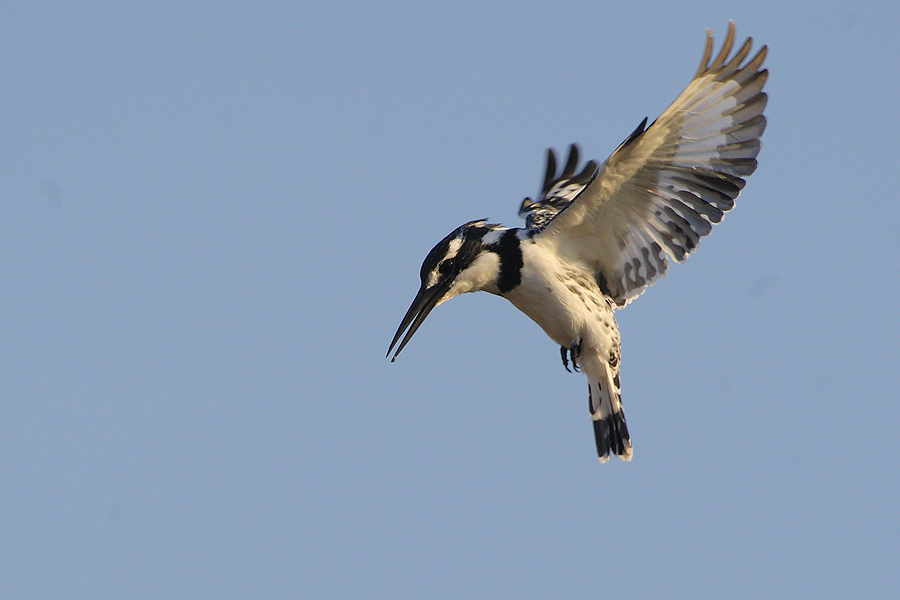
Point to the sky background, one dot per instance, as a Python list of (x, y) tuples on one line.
[(212, 221)]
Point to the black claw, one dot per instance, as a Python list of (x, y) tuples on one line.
[(575, 352), (563, 351)]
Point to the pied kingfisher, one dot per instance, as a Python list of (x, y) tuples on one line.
[(599, 236)]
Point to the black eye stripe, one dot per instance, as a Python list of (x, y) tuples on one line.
[(468, 237)]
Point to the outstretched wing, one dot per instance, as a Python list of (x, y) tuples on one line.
[(558, 190), (665, 187)]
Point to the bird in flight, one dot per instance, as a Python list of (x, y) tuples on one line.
[(599, 236)]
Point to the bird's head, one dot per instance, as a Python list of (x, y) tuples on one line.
[(461, 262)]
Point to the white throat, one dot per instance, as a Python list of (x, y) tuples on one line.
[(481, 275)]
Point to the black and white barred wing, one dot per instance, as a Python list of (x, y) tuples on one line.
[(558, 191), (665, 187)]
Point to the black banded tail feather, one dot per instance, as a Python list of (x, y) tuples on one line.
[(611, 435), (610, 430)]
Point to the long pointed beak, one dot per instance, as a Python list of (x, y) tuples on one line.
[(425, 301)]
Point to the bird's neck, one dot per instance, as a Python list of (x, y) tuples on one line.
[(506, 244)]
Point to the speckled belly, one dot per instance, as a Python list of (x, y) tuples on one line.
[(569, 306)]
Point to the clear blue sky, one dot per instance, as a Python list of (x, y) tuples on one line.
[(212, 221)]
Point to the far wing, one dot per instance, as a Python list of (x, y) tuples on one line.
[(665, 187), (558, 190)]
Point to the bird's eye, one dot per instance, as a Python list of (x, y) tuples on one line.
[(447, 266)]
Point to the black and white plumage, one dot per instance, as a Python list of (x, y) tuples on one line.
[(599, 236)]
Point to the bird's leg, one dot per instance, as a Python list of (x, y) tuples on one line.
[(563, 351)]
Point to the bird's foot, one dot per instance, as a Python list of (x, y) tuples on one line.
[(573, 351), (564, 353)]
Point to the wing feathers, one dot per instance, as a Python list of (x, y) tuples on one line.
[(707, 52), (665, 186), (726, 48), (558, 190), (739, 57), (571, 162), (635, 134), (711, 212), (741, 132), (550, 173)]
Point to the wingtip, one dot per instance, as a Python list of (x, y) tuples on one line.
[(722, 56), (550, 171), (707, 53), (571, 161)]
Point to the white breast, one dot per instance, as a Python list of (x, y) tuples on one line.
[(563, 299)]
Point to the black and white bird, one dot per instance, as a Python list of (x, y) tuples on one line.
[(600, 235)]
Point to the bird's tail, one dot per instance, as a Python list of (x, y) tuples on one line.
[(605, 404)]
